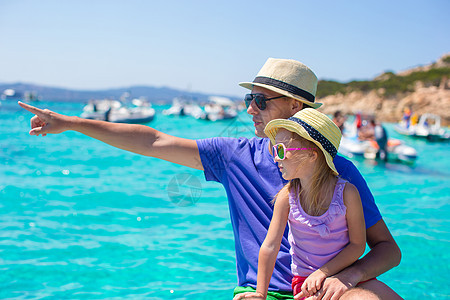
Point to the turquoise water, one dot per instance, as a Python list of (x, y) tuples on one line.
[(81, 219)]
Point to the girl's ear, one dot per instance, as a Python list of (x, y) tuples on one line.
[(313, 155)]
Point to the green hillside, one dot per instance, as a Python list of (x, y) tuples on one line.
[(390, 82)]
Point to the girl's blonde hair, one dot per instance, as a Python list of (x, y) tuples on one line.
[(317, 196)]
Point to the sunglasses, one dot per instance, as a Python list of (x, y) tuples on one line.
[(260, 100), (279, 150)]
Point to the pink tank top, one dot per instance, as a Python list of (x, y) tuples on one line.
[(315, 240)]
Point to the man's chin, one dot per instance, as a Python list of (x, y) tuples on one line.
[(260, 133)]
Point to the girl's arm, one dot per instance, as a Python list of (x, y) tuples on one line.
[(354, 249), (271, 245)]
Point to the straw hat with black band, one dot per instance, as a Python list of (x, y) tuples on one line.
[(313, 126), (287, 77)]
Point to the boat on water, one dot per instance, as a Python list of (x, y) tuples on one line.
[(428, 127), (220, 108), (217, 108), (355, 143), (396, 149), (9, 94), (115, 111), (180, 107), (177, 108)]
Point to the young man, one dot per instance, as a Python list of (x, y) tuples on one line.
[(251, 179)]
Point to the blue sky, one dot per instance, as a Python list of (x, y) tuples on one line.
[(210, 46)]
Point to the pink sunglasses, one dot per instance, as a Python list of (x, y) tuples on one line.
[(279, 150)]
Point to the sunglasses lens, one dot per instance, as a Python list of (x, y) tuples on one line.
[(260, 101), (280, 151), (248, 99)]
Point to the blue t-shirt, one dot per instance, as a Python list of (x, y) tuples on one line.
[(251, 179)]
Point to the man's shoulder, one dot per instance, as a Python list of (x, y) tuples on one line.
[(345, 167), (242, 141), (341, 161)]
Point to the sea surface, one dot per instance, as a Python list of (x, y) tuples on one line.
[(80, 219)]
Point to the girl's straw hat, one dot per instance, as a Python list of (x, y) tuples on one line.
[(313, 126), (287, 77)]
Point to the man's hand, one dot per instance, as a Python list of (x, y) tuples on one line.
[(45, 121), (332, 289)]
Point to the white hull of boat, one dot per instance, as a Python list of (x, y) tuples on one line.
[(113, 111), (428, 127), (397, 151)]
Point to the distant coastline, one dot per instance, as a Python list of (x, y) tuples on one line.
[(423, 89), (157, 95)]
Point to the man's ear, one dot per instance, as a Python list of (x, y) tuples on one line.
[(296, 106)]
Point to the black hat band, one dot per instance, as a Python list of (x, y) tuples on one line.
[(286, 87), (317, 136)]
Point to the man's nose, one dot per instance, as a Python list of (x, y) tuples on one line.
[(252, 109)]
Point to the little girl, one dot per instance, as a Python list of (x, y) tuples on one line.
[(324, 212)]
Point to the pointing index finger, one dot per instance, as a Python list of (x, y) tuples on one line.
[(32, 109)]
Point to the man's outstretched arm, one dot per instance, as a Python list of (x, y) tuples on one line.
[(139, 139)]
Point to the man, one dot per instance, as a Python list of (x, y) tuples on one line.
[(339, 119), (381, 137), (251, 179), (376, 132)]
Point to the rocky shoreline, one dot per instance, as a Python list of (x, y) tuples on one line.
[(424, 99)]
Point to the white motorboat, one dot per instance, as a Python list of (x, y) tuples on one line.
[(396, 149), (96, 109), (7, 94), (194, 110), (177, 108), (181, 107), (115, 111), (220, 108), (217, 108), (428, 127)]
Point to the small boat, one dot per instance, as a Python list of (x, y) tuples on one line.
[(181, 107), (115, 111), (396, 149), (177, 108), (428, 127), (97, 109), (194, 110), (10, 94), (217, 108), (220, 108)]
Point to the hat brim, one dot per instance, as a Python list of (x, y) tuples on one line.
[(274, 126), (250, 85)]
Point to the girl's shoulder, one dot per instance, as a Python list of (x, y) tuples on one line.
[(284, 193), (350, 194), (282, 198)]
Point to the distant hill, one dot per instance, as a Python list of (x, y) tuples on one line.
[(153, 94), (390, 84), (424, 89)]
